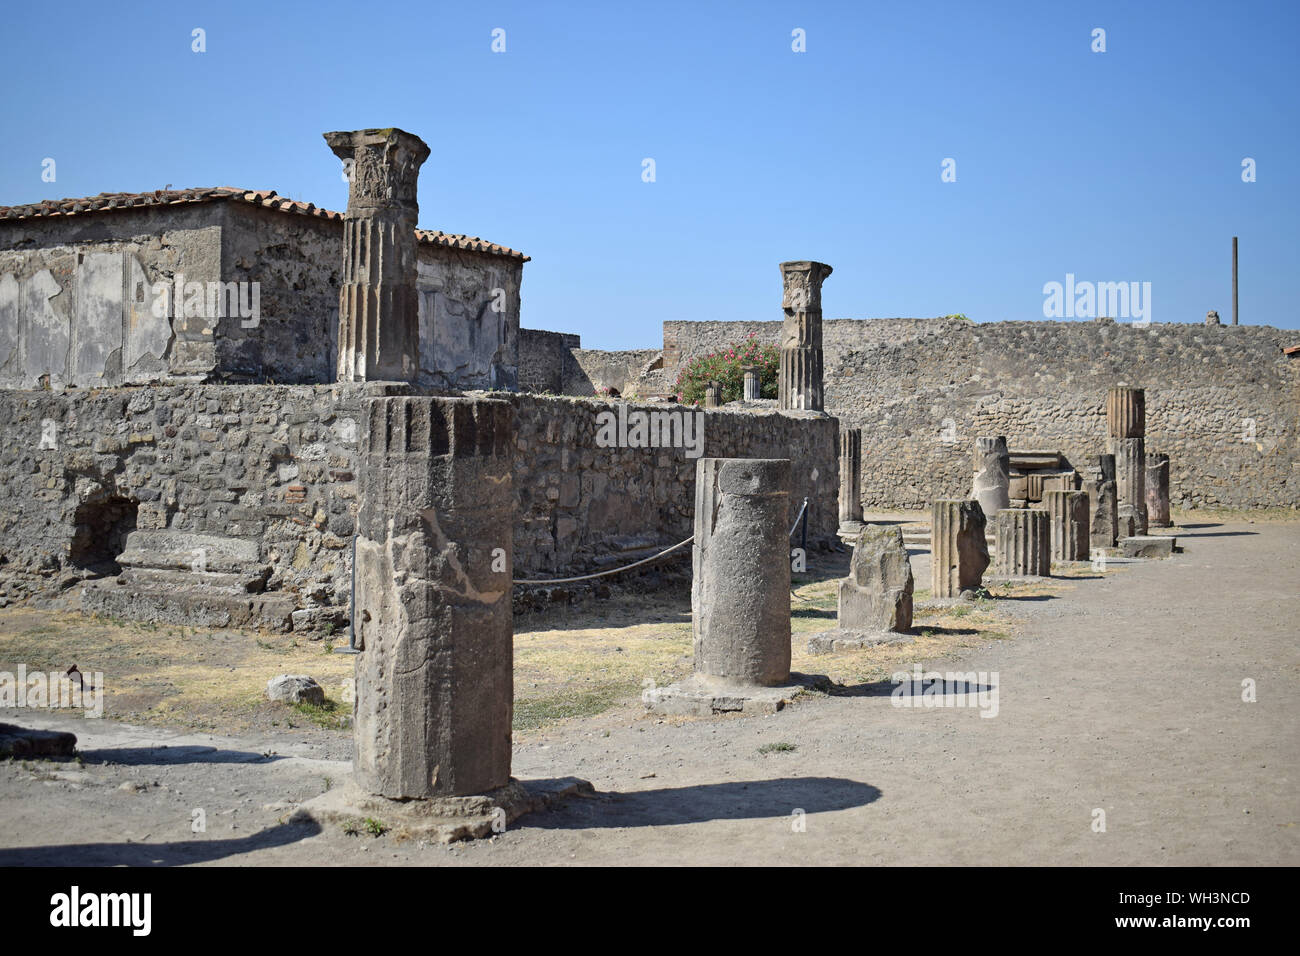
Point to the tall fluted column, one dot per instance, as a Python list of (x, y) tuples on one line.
[(434, 677), (1069, 532), (800, 384), (379, 318), (1126, 425), (850, 476), (1157, 489)]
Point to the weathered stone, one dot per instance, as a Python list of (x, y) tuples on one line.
[(1105, 506), (434, 682), (1126, 414), (959, 554), (740, 593), (800, 384), (992, 485), (1130, 485), (24, 742), (1024, 543), (1212, 318), (751, 384), (379, 319), (295, 689), (1148, 546), (1157, 491), (1069, 531), (712, 395), (850, 475), (877, 594)]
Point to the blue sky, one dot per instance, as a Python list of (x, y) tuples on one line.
[(1115, 166)]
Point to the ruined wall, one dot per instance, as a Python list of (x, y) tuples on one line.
[(77, 302), (923, 389), (546, 360), (265, 475), (624, 371), (469, 318)]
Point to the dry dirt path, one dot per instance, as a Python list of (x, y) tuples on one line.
[(1123, 694)]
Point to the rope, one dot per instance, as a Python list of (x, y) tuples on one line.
[(798, 518), (601, 574)]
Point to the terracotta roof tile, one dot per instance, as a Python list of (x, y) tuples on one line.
[(257, 197)]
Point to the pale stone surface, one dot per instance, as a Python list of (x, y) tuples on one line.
[(850, 475), (1024, 543), (1157, 491), (959, 554), (992, 484), (800, 386), (295, 689), (751, 385), (1148, 546), (877, 594), (379, 323), (1130, 485), (434, 681), (1069, 532), (1105, 507), (712, 395), (1212, 318)]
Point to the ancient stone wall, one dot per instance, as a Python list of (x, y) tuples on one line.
[(267, 472), (546, 360), (1222, 401)]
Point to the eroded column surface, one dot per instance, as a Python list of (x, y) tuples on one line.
[(740, 596), (959, 555), (1157, 491), (1126, 429), (434, 681), (1105, 507), (751, 385), (800, 385), (1024, 543), (850, 476), (379, 320), (992, 485), (1070, 535)]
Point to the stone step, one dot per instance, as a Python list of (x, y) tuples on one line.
[(184, 551), (141, 601), (209, 582)]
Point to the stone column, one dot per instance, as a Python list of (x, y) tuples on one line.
[(379, 324), (1157, 491), (959, 555), (992, 486), (1126, 427), (740, 594), (801, 335), (751, 384), (1069, 531), (434, 680), (1024, 543), (712, 395), (850, 476), (1105, 508)]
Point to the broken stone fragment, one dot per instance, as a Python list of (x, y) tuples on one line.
[(877, 594), (295, 689)]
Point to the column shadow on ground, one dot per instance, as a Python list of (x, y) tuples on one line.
[(164, 756), (733, 800), (176, 853), (887, 688)]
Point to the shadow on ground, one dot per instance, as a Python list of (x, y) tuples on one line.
[(910, 689), (198, 850), (163, 756), (738, 800)]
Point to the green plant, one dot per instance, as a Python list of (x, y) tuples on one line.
[(374, 827), (727, 368), (781, 747)]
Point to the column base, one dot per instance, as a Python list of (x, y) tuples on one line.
[(1149, 546), (441, 819), (849, 639), (699, 696)]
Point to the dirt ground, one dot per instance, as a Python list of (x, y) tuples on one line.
[(1114, 695)]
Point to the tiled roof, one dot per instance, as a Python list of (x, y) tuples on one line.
[(258, 197)]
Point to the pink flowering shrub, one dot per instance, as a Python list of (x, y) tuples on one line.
[(727, 368)]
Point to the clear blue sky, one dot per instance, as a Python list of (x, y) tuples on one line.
[(1115, 166)]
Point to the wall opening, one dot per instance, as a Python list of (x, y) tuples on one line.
[(100, 534)]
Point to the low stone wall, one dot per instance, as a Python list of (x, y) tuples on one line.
[(260, 480), (545, 360)]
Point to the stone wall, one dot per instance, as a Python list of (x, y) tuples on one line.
[(263, 478), (923, 389), (546, 360)]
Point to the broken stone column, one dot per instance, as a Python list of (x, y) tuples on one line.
[(1157, 491), (434, 679), (800, 384), (1126, 428), (740, 594), (751, 384), (850, 477), (876, 598), (1212, 318), (1069, 531), (712, 395), (1105, 507), (992, 486), (379, 324), (434, 632), (1023, 543), (959, 555)]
